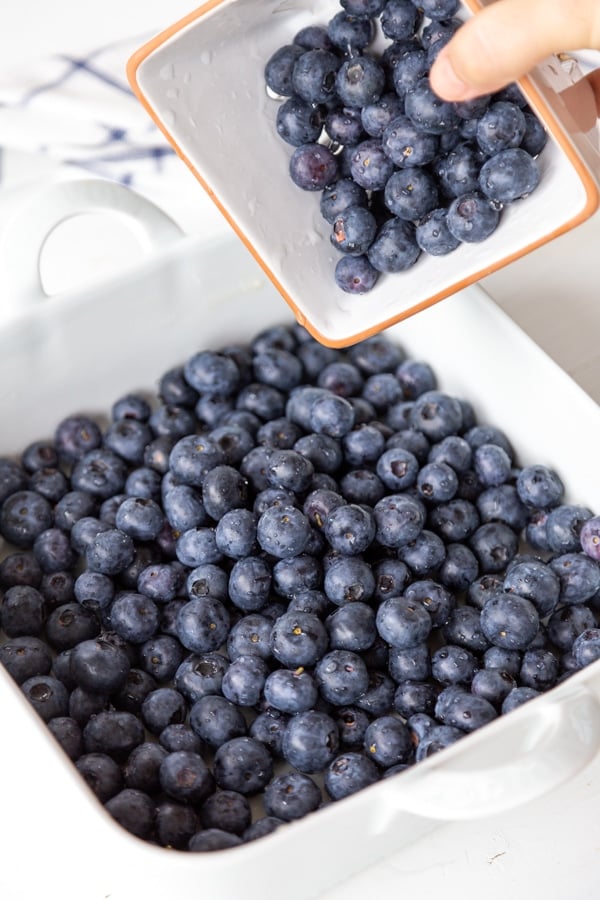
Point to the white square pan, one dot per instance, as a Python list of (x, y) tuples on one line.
[(82, 350), (202, 81)]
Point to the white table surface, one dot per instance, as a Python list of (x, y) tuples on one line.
[(551, 849)]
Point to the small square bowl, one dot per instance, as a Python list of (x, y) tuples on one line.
[(202, 81)]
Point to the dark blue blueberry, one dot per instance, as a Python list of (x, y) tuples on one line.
[(174, 390), (272, 497), (349, 773), (183, 507), (131, 696), (75, 436), (161, 707), (492, 464), (493, 685), (99, 666), (172, 421), (370, 167), (399, 519), (539, 487), (141, 771), (47, 695), (347, 580), (344, 126), (20, 567), (37, 455), (200, 674), (349, 33), (428, 111), (366, 9), (296, 575), (299, 122), (278, 434), (579, 577), (472, 217), (509, 175), (235, 534), (517, 697), (23, 611), (250, 583), (24, 657), (101, 773), (352, 627), (68, 734), (335, 199), (567, 623), (415, 378), (310, 741), (437, 482), (99, 472), (341, 677), (509, 621), (134, 617), (457, 172), (211, 839), (72, 506), (321, 449), (113, 732), (433, 235), (363, 445), (160, 582), (463, 629), (69, 624), (244, 679), (349, 529), (539, 669), (291, 690), (289, 470), (156, 453), (277, 367), (353, 230), (291, 796), (23, 516), (397, 468), (424, 555), (216, 720), (535, 137), (235, 440), (563, 527), (175, 824), (378, 698), (128, 438), (500, 658), (459, 708), (375, 117), (84, 704), (57, 588), (110, 552), (411, 193), (455, 520), (161, 656), (407, 145), (388, 741), (13, 478), (223, 489), (310, 601), (410, 664), (279, 69), (451, 664), (359, 81), (502, 504), (212, 373), (434, 597), (207, 581), (144, 483), (49, 483), (197, 547), (501, 126), (313, 167), (586, 647), (537, 581), (140, 518), (494, 544), (436, 414), (298, 639), (403, 623), (193, 456), (202, 624), (243, 764), (313, 75), (227, 810), (282, 532), (185, 777), (400, 19), (413, 697)]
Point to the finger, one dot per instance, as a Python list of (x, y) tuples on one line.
[(508, 38), (593, 80)]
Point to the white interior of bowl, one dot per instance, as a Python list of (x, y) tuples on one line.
[(205, 84)]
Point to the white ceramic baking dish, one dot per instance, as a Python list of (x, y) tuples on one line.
[(202, 81), (81, 350)]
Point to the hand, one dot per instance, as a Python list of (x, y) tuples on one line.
[(505, 40)]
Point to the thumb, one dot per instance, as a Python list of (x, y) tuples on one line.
[(508, 38)]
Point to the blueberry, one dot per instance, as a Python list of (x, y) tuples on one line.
[(216, 720), (25, 657), (353, 230), (134, 617), (586, 647), (509, 621), (113, 732), (411, 193), (336, 198), (183, 508), (388, 742), (298, 639), (226, 810), (162, 707), (538, 486), (310, 741), (47, 695), (279, 69), (437, 738), (101, 773), (160, 582), (375, 117), (243, 764), (99, 666), (509, 175), (428, 111), (200, 674), (299, 122), (370, 167), (563, 527), (68, 734), (463, 629), (501, 503), (179, 736), (51, 483), (409, 69), (539, 669), (399, 519), (462, 709), (412, 697), (400, 19), (138, 685), (403, 623), (457, 172), (283, 532), (202, 624), (493, 685), (537, 581), (110, 552), (350, 33), (348, 773), (579, 577), (175, 824), (128, 438), (249, 583), (500, 658), (433, 235), (23, 516), (23, 611), (212, 839), (406, 145), (494, 544), (197, 547), (502, 126), (244, 680), (280, 368), (535, 137), (359, 81), (193, 456), (348, 579), (291, 796), (589, 537), (185, 777), (517, 697), (100, 472), (161, 656), (472, 217), (75, 436), (69, 624)]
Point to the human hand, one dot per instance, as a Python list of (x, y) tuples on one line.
[(505, 40)]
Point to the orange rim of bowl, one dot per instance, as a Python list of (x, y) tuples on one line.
[(533, 96)]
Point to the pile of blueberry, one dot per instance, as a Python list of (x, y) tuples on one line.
[(399, 171), (292, 573)]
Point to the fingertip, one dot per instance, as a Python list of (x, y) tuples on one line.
[(446, 83)]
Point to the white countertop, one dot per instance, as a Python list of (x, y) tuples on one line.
[(551, 849)]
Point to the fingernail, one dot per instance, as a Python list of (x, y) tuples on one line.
[(446, 82)]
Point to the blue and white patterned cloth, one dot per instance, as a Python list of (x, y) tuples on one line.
[(80, 115)]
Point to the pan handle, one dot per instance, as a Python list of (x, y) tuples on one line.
[(26, 232)]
